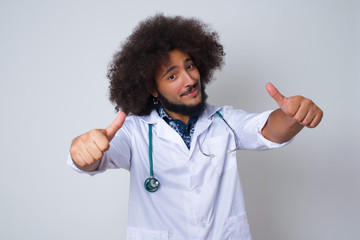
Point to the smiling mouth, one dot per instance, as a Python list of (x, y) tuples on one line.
[(192, 90)]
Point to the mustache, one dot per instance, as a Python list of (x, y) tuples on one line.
[(190, 89)]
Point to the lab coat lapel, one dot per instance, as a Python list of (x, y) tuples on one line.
[(161, 129), (203, 124), (164, 131)]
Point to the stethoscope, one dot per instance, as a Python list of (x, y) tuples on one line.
[(152, 184)]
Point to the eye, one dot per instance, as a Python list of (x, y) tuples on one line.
[(190, 66), (171, 77)]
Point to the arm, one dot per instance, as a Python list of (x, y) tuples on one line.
[(294, 113), (87, 149)]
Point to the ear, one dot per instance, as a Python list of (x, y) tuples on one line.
[(155, 94)]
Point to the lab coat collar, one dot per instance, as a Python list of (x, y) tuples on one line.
[(163, 130), (154, 117), (209, 111)]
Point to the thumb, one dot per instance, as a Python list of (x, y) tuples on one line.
[(111, 130), (275, 94)]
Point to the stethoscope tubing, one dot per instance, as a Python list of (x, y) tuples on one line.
[(152, 184), (150, 151)]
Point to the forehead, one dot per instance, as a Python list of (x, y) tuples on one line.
[(175, 57)]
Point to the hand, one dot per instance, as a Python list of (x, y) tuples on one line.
[(301, 109), (86, 150)]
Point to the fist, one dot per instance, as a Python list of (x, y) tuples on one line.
[(302, 110), (87, 149)]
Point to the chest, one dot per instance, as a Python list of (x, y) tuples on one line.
[(172, 160)]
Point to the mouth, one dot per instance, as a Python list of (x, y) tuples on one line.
[(192, 91)]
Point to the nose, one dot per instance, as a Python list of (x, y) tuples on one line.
[(187, 79)]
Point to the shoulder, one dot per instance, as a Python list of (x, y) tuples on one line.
[(135, 122), (130, 126), (226, 111)]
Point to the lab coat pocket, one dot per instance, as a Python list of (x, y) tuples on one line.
[(142, 234), (237, 227), (220, 148)]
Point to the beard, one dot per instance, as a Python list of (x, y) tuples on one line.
[(187, 110)]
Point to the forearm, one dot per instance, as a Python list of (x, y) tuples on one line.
[(280, 127)]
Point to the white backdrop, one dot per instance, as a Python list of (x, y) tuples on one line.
[(53, 60)]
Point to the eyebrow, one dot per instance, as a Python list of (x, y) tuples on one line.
[(168, 70), (173, 67)]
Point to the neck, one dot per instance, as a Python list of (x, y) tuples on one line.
[(178, 116)]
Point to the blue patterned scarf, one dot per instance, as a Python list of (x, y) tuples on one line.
[(186, 131)]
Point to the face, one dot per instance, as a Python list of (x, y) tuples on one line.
[(178, 85)]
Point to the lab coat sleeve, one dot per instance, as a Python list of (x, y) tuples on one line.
[(248, 128), (117, 156)]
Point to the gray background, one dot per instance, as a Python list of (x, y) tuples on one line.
[(53, 60)]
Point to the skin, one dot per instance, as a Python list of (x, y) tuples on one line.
[(87, 149), (294, 113), (175, 81)]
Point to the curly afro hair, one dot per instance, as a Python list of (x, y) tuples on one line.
[(132, 70)]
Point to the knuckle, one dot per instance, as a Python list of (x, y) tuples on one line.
[(292, 112), (298, 119), (105, 146), (99, 156), (308, 102), (81, 164), (77, 159), (306, 123), (84, 137), (89, 161), (95, 132), (297, 98), (73, 150)]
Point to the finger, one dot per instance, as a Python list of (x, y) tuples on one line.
[(317, 119), (86, 156), (101, 142), (78, 160), (76, 155), (308, 118), (275, 94), (94, 151), (111, 130), (304, 111)]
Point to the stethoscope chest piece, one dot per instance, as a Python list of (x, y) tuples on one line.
[(151, 184)]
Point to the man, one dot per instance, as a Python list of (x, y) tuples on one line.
[(180, 151)]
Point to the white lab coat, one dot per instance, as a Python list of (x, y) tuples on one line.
[(199, 197)]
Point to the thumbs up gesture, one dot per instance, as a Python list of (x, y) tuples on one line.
[(87, 149), (294, 113), (301, 109)]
